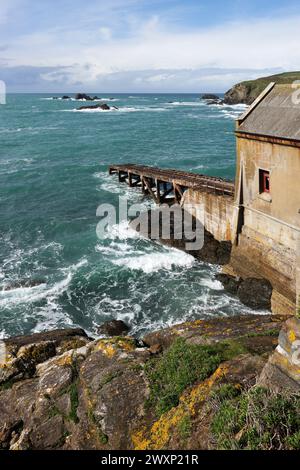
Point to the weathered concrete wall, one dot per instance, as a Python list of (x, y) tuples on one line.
[(268, 245), (217, 212), (282, 204), (258, 256)]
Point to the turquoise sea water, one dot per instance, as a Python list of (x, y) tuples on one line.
[(53, 176)]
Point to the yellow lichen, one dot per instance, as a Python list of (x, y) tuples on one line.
[(64, 360), (107, 348), (292, 336), (110, 346), (139, 440), (161, 430)]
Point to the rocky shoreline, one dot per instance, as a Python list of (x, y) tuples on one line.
[(64, 390), (247, 92)]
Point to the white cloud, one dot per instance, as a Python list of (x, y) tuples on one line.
[(160, 77), (149, 45)]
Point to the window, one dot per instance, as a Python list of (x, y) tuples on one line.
[(264, 181)]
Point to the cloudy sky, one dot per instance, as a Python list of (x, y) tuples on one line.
[(144, 45)]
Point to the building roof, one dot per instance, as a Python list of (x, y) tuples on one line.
[(275, 113)]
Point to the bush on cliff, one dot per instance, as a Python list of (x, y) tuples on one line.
[(256, 420), (182, 365)]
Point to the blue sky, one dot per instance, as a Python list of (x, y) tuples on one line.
[(144, 45)]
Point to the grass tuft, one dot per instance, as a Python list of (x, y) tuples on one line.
[(182, 365), (257, 420)]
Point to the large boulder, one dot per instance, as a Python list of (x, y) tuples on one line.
[(113, 328), (255, 293), (250, 327)]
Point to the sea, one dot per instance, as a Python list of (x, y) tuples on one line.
[(55, 272)]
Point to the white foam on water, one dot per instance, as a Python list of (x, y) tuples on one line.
[(121, 231), (212, 284), (122, 309), (117, 249), (153, 262), (231, 111), (124, 109), (198, 167), (186, 103), (10, 131), (50, 317), (19, 295), (110, 184), (108, 99), (19, 256)]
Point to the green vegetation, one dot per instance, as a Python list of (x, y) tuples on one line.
[(226, 392), (260, 84), (256, 420), (272, 333), (103, 438), (54, 411), (74, 402), (185, 427), (249, 90), (7, 385), (182, 365)]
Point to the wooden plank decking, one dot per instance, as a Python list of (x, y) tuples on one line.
[(163, 183)]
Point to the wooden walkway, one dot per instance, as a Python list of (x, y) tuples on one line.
[(165, 185)]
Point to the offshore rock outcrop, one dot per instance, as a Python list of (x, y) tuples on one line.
[(63, 390), (103, 106), (83, 96)]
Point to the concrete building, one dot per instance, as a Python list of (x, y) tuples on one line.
[(266, 221)]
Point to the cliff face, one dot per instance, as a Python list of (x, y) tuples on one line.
[(63, 390), (247, 92)]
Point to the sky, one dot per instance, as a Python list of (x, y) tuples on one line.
[(145, 45)]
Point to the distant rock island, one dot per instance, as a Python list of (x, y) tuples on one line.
[(103, 106), (247, 92), (83, 96), (212, 99)]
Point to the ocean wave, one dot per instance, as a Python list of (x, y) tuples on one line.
[(121, 231), (122, 308), (19, 295), (124, 109), (33, 130), (186, 103), (10, 131), (110, 184), (230, 111), (153, 262), (51, 316), (212, 284), (117, 249)]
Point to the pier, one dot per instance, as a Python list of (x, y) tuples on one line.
[(164, 185)]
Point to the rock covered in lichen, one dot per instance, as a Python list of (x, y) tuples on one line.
[(63, 390)]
